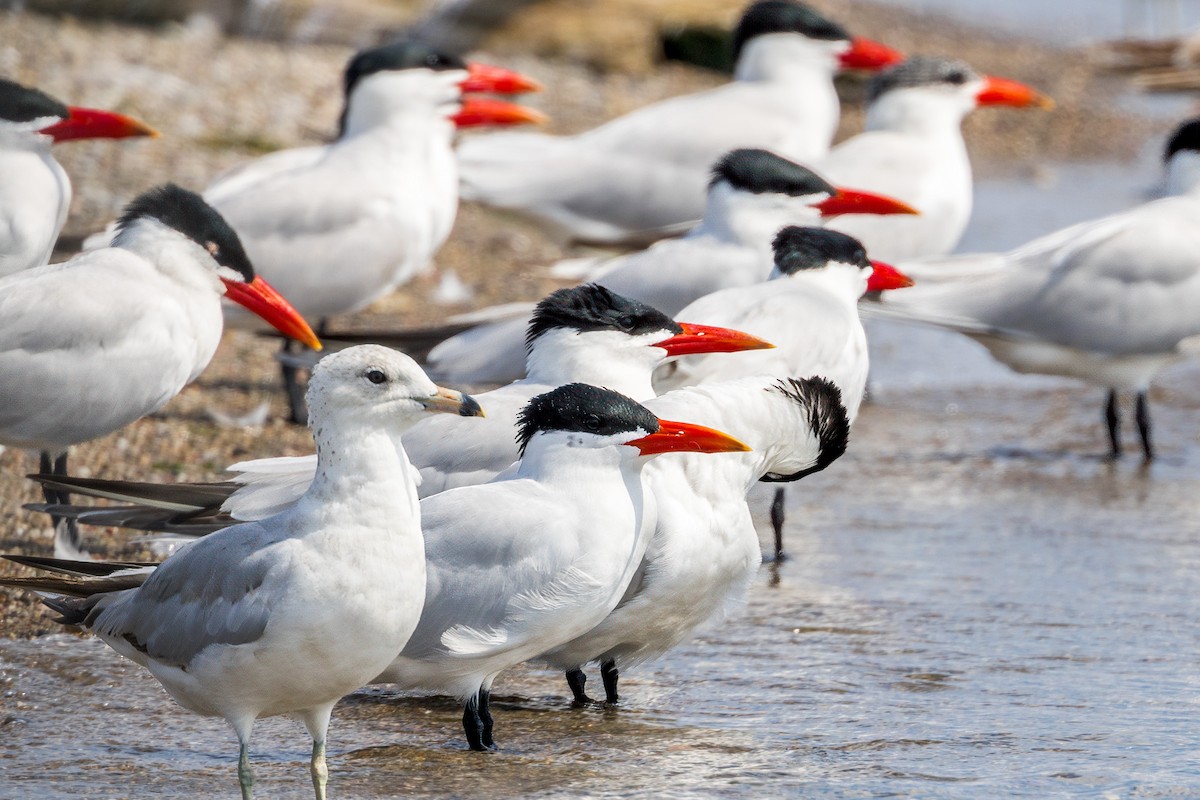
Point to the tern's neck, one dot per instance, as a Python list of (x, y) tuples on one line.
[(562, 356), (752, 220), (844, 284), (559, 460), (919, 112), (173, 254), (1183, 173)]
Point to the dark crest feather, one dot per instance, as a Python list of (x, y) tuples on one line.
[(1185, 137), (921, 71), (799, 248), (784, 16), (762, 172), (584, 408), (22, 104), (822, 401), (188, 213), (591, 307), (399, 55)]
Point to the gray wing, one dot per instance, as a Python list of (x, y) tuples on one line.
[(215, 591)]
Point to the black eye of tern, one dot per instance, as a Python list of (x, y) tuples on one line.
[(376, 376), (592, 422)]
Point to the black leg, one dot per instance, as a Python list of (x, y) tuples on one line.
[(485, 715), (297, 409), (577, 680), (777, 522), (1112, 415), (68, 542), (473, 724), (1143, 423), (610, 676)]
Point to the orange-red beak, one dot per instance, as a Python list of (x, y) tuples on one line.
[(709, 339), (684, 437), (261, 298), (1005, 92), (869, 55), (91, 123), (477, 111), (887, 277), (498, 80), (852, 201)]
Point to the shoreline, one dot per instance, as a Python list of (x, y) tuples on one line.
[(179, 71)]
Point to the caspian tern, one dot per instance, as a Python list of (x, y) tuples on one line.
[(338, 226), (92, 344), (643, 174), (1109, 301), (537, 557), (35, 192), (586, 334), (752, 194), (810, 308), (705, 550), (913, 150), (287, 615)]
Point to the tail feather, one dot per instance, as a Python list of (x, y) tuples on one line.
[(179, 497), (67, 566), (142, 518)]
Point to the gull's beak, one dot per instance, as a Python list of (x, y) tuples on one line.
[(488, 111), (448, 401), (684, 437), (708, 339), (885, 277), (261, 298), (852, 201), (498, 80), (1005, 92), (91, 123), (869, 55)]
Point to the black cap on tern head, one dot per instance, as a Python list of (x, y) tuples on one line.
[(404, 54), (784, 16), (188, 213), (922, 71), (799, 248), (22, 104), (584, 408), (822, 401), (763, 172), (591, 307), (1185, 137)]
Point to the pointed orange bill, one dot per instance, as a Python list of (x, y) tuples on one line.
[(885, 277), (685, 437), (1005, 92), (852, 201), (260, 297), (477, 111), (92, 123), (709, 339), (498, 80), (869, 55)]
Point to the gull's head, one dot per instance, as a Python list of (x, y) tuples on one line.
[(581, 416), (375, 385), (822, 252)]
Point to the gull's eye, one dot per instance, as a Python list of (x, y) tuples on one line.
[(591, 422), (376, 376)]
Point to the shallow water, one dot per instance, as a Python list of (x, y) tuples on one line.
[(977, 604)]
